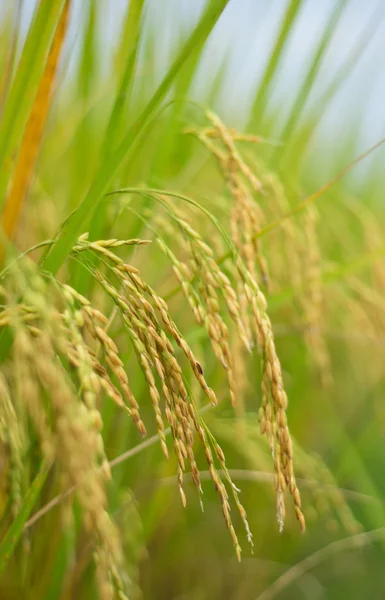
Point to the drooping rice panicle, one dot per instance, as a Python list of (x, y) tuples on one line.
[(274, 399), (247, 216), (313, 300), (12, 447), (149, 340), (73, 438)]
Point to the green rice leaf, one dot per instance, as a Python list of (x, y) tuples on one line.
[(14, 532), (86, 210), (292, 12)]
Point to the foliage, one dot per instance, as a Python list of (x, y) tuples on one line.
[(169, 276)]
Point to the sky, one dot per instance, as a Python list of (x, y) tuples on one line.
[(244, 37)]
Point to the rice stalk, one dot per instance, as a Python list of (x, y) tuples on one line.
[(34, 130)]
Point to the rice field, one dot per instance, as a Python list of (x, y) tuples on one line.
[(192, 320)]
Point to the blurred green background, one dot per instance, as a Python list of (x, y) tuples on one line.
[(309, 78)]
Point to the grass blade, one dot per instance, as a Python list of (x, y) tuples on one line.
[(312, 73), (34, 131), (25, 85), (260, 101), (128, 49), (90, 203), (127, 56), (14, 532), (299, 141), (10, 60)]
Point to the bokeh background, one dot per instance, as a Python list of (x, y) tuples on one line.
[(309, 78)]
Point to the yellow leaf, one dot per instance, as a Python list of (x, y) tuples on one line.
[(30, 145)]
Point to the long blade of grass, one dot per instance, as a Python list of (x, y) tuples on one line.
[(173, 145), (25, 84), (128, 51), (127, 56), (8, 544), (352, 59), (88, 54), (312, 73), (292, 12), (299, 141), (85, 141), (34, 131), (10, 60), (86, 210)]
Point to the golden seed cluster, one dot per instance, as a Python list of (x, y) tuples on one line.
[(69, 427), (151, 328), (272, 414), (247, 217)]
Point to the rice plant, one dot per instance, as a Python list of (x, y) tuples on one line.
[(191, 324)]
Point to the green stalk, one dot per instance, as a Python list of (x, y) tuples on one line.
[(86, 210), (13, 534), (24, 87), (312, 73), (289, 19), (129, 48)]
